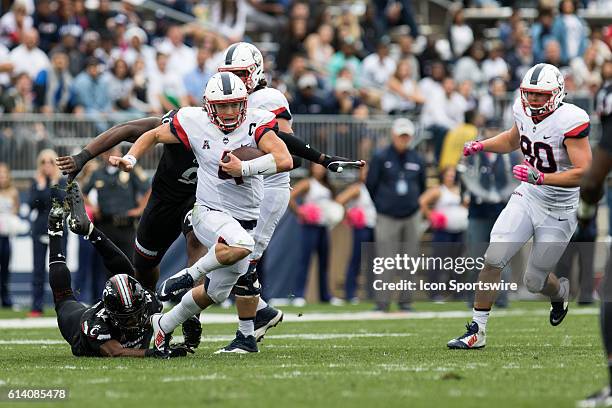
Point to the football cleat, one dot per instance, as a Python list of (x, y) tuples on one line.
[(601, 398), (558, 310), (474, 338), (78, 221), (55, 222), (265, 319), (192, 332), (161, 339), (175, 286), (240, 345)]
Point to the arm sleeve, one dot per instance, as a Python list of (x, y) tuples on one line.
[(299, 148)]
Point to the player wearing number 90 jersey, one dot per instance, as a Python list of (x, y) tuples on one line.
[(553, 138)]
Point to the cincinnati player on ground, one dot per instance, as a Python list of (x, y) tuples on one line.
[(553, 138), (591, 191), (118, 325), (228, 194)]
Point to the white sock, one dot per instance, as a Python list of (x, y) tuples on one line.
[(247, 327), (261, 304), (205, 264), (179, 313), (481, 317), (562, 295)]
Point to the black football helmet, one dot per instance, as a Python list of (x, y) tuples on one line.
[(125, 301)]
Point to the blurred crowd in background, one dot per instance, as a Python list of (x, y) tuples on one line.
[(455, 80)]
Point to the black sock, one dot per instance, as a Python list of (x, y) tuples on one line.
[(114, 259), (59, 274)]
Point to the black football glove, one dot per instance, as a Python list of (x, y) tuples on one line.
[(338, 163), (192, 332)]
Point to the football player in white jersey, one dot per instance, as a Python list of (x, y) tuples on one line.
[(553, 138), (227, 207)]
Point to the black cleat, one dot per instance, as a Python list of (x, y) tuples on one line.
[(55, 222), (175, 286), (601, 398), (558, 310), (265, 319), (78, 221), (240, 345), (192, 332)]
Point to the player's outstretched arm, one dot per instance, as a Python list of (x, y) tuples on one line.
[(123, 132), (505, 142), (579, 152), (161, 134)]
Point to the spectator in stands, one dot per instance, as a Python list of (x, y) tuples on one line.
[(70, 45), (196, 80), (432, 83), (6, 67), (292, 41), (54, 85), (166, 90), (267, 14), (47, 22), (46, 186), (14, 24), (99, 18), (396, 179), (460, 35), (121, 87), (402, 94), (520, 61), (466, 89), (495, 66), (344, 98), (181, 58), (570, 31), (405, 52), (469, 67), (91, 89), (377, 68), (391, 13), (508, 30), (297, 68), (345, 57), (319, 49), (306, 100), (69, 20), (361, 217), (495, 106), (452, 149), (27, 57), (9, 206), (136, 48), (228, 17), (446, 211), (316, 192), (586, 70), (370, 28), (429, 57), (20, 98), (141, 83), (442, 111), (541, 33), (552, 54)]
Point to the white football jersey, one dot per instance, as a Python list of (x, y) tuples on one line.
[(272, 100), (542, 145), (239, 197)]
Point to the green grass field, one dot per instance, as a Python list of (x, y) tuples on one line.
[(378, 363)]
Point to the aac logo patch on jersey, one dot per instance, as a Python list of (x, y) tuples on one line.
[(206, 145)]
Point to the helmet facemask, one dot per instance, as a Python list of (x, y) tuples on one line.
[(228, 114), (244, 73), (537, 110), (130, 322)]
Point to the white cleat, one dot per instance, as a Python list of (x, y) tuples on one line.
[(474, 338)]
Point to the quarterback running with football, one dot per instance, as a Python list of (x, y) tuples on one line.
[(118, 325), (229, 192), (552, 136)]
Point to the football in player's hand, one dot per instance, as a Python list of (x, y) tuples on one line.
[(245, 153)]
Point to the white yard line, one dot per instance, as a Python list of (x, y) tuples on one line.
[(209, 318)]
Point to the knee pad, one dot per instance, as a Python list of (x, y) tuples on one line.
[(496, 256), (534, 281), (248, 285)]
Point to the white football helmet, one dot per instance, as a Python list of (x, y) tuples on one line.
[(246, 61), (225, 101), (542, 79)]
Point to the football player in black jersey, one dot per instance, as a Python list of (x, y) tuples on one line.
[(118, 325), (591, 191)]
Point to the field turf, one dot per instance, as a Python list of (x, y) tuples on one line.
[(367, 363)]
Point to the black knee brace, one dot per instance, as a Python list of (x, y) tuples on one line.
[(248, 285)]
